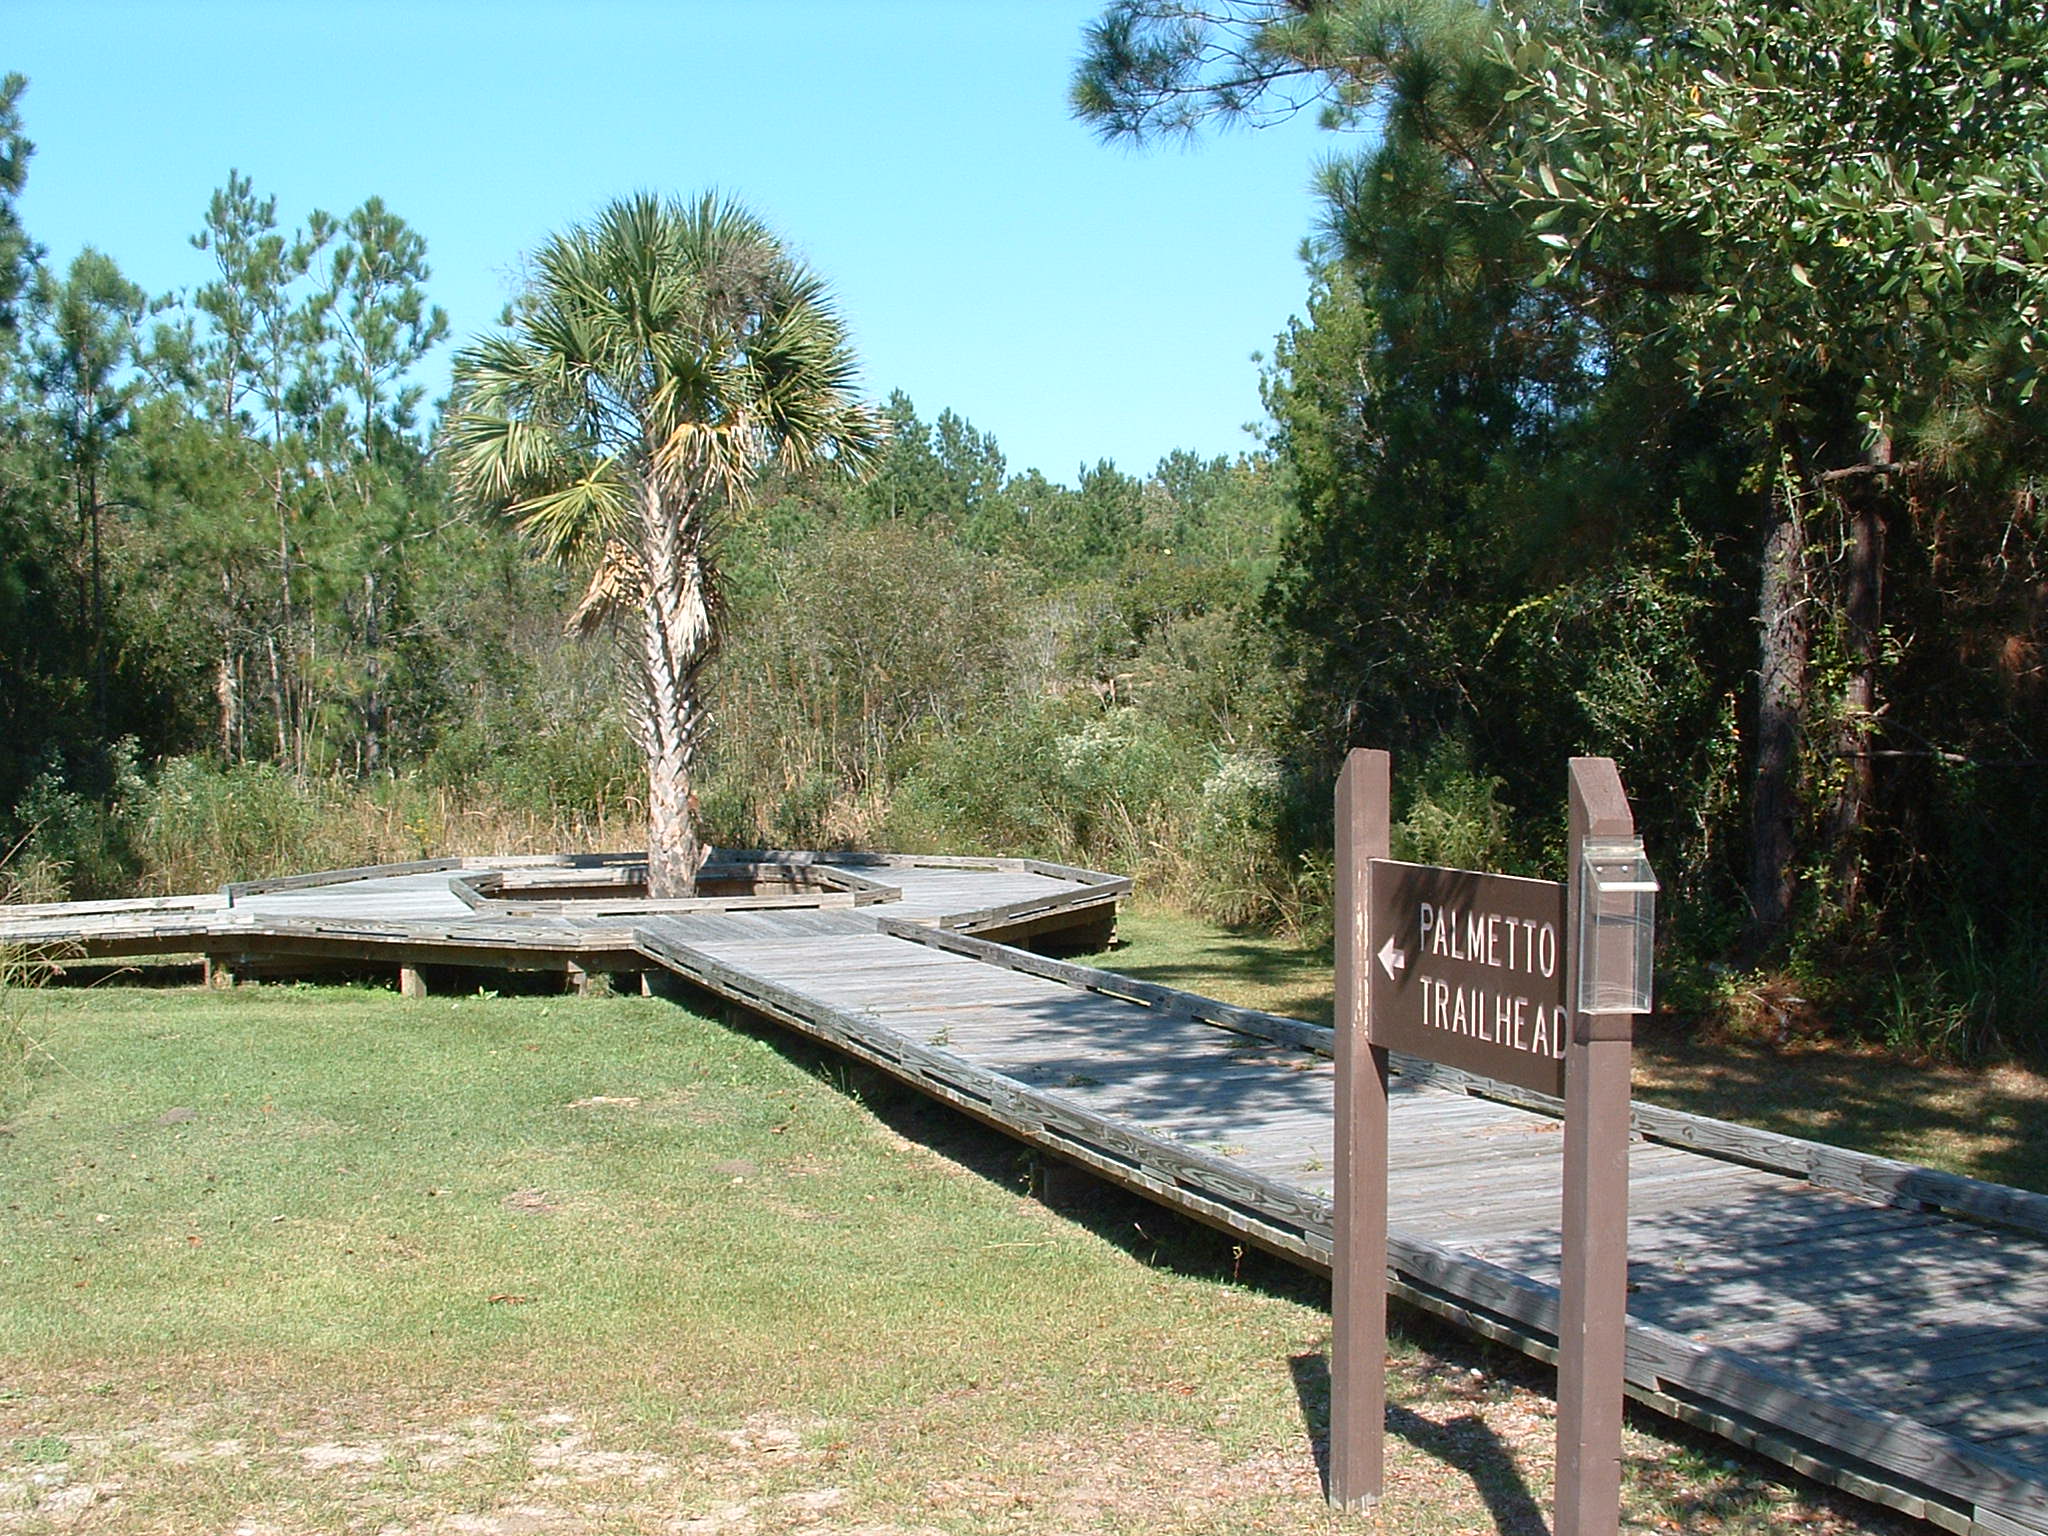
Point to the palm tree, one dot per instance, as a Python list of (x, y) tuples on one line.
[(661, 357)]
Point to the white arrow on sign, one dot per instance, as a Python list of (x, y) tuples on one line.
[(1393, 961)]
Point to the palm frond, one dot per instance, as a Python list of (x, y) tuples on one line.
[(669, 351), (563, 522), (616, 588)]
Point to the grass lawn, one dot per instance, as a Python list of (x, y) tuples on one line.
[(289, 1260), (1990, 1123)]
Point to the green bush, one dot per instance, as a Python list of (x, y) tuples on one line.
[(1058, 779), (1969, 996), (1243, 869), (588, 764), (74, 846), (199, 825), (1455, 815)]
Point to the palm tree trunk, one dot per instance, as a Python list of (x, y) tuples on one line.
[(675, 643), (674, 854)]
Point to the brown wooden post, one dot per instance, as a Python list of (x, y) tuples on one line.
[(1358, 1281), (1593, 1305), (411, 983)]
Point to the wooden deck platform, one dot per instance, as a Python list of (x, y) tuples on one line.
[(1876, 1325)]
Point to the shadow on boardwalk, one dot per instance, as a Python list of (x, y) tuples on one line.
[(1937, 1320)]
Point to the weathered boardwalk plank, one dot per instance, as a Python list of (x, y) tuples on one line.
[(1470, 1171), (1812, 1303)]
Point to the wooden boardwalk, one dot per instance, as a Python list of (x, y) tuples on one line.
[(1879, 1326)]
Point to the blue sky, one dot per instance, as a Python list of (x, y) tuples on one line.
[(1078, 301)]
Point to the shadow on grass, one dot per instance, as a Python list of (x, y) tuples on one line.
[(1944, 1117), (1467, 1443)]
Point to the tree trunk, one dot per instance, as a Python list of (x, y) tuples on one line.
[(287, 728), (676, 641), (373, 700), (284, 756), (224, 696), (99, 620), (1862, 618), (226, 684), (1780, 713), (674, 854)]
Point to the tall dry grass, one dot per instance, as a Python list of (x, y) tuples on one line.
[(195, 826), (200, 827)]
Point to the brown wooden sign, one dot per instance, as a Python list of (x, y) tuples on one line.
[(1483, 972), (1468, 969)]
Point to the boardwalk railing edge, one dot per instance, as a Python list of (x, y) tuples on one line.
[(486, 891), (862, 858), (1245, 1201), (1880, 1455), (234, 890), (1010, 913), (243, 936), (1864, 1174), (127, 906), (1873, 1453), (963, 861)]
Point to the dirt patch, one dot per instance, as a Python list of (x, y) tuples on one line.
[(794, 1513), (1160, 1476), (1470, 1451), (511, 1520), (192, 1455), (340, 1458), (573, 1459), (732, 1520), (437, 1450), (767, 1434), (50, 1498)]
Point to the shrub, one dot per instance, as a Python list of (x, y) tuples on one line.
[(74, 846), (1455, 814)]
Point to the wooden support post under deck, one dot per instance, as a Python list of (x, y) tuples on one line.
[(576, 980), (1358, 1280), (220, 973), (411, 982)]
